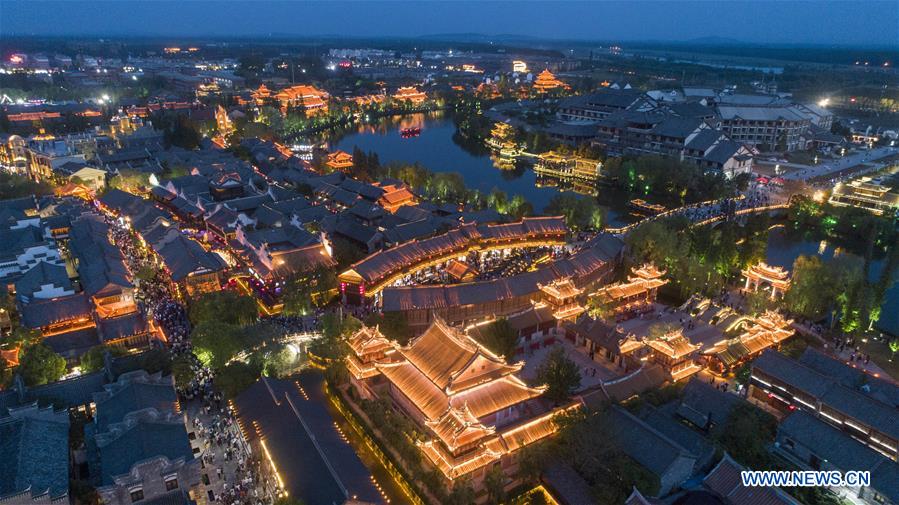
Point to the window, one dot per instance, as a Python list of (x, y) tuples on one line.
[(171, 483), (137, 495)]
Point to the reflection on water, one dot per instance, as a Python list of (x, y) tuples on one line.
[(785, 244), (441, 149)]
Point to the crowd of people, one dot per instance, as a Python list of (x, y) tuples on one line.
[(242, 481)]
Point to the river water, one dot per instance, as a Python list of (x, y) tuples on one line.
[(786, 244), (440, 150)]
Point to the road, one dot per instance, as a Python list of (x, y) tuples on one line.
[(806, 172)]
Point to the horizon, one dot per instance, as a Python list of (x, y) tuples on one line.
[(828, 24)]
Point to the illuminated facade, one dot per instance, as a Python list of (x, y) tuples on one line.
[(475, 412), (568, 168), (339, 161), (546, 82), (519, 66), (306, 97), (762, 273), (674, 353), (759, 333), (635, 295), (373, 273), (867, 195), (410, 93)]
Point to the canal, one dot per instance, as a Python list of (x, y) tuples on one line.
[(439, 149)]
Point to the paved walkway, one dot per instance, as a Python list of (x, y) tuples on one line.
[(592, 372)]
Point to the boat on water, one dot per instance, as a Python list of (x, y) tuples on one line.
[(643, 207), (410, 132)]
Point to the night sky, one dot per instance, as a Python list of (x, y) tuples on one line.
[(816, 22)]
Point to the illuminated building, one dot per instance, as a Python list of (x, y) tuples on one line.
[(487, 91), (519, 66), (476, 413), (830, 390), (636, 295), (14, 155), (395, 196), (759, 333), (410, 93), (562, 296), (368, 100), (865, 194), (567, 168), (306, 97), (472, 302), (546, 82), (502, 136), (371, 274), (261, 95), (223, 122), (761, 273), (674, 353), (339, 161)]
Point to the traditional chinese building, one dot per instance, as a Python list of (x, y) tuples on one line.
[(572, 169), (759, 333), (410, 93), (761, 273), (395, 196), (261, 95), (675, 354), (307, 97), (546, 82), (635, 295), (475, 412), (562, 295), (339, 161)]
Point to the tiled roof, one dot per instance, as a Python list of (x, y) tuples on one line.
[(35, 447)]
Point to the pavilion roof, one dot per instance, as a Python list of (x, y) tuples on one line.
[(673, 344)]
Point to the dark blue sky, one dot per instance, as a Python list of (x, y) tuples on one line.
[(812, 22)]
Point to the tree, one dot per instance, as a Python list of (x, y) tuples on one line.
[(23, 336), (746, 435), (236, 377), (38, 365), (18, 186), (500, 337), (223, 306), (216, 342), (581, 213), (131, 181), (495, 485), (94, 358), (183, 370), (392, 324), (560, 374)]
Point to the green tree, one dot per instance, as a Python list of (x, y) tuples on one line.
[(38, 365), (500, 337), (559, 374), (18, 186), (236, 377), (495, 485), (93, 359), (183, 371), (392, 324), (223, 306), (746, 435), (216, 342)]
